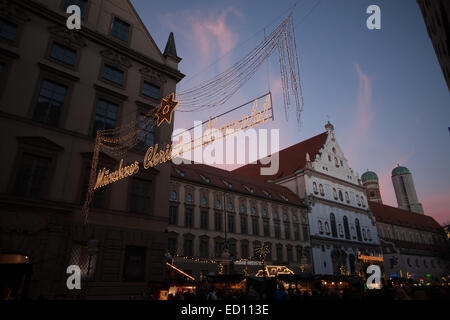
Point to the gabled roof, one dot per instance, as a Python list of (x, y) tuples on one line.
[(291, 159), (392, 215), (223, 179)]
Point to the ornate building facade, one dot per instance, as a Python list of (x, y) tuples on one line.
[(57, 87), (413, 244), (341, 224), (211, 208)]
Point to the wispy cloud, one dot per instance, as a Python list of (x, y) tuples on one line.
[(209, 33), (361, 122)]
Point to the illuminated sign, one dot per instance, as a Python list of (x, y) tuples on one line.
[(155, 156), (273, 271)]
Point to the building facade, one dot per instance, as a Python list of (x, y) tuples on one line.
[(341, 225), (413, 244), (58, 87), (211, 208), (436, 15)]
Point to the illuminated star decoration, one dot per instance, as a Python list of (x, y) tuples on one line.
[(166, 109)]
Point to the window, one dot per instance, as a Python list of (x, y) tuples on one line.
[(150, 90), (146, 132), (173, 213), (230, 205), (204, 201), (188, 246), (305, 232), (204, 247), (106, 115), (32, 175), (266, 228), (321, 189), (346, 228), (296, 232), (335, 193), (50, 103), (218, 204), (336, 162), (341, 230), (218, 246), (347, 199), (255, 226), (204, 220), (364, 234), (244, 250), (264, 212), (279, 253), (357, 200), (218, 221), (82, 4), (320, 227), (134, 264), (353, 232), (358, 230), (189, 218), (242, 208), (276, 227), (369, 236), (232, 248), (140, 195), (87, 263), (120, 29), (287, 231), (244, 225), (253, 210), (189, 197), (172, 246), (231, 223), (63, 54), (8, 30), (173, 195), (289, 253), (341, 197), (275, 215), (333, 225), (299, 253), (327, 227), (113, 74), (315, 187)]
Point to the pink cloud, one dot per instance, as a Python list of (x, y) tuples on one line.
[(210, 33), (362, 121)]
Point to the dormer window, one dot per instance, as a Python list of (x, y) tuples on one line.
[(228, 184)]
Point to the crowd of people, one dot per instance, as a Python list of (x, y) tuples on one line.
[(405, 292)]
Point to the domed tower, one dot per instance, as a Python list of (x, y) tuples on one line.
[(369, 180), (405, 190)]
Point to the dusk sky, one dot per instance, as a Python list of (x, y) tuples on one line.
[(383, 90)]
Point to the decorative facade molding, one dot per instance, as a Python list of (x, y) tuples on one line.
[(153, 75), (67, 37), (116, 58)]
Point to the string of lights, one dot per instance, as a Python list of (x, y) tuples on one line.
[(210, 94)]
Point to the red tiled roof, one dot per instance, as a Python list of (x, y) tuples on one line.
[(392, 215), (217, 178), (292, 159)]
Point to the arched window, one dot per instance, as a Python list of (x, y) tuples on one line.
[(189, 197), (347, 199), (321, 189), (358, 229), (218, 204), (336, 162), (341, 197), (333, 225), (173, 195), (364, 234), (353, 232), (335, 193), (204, 201), (253, 210), (368, 235), (346, 228), (242, 208), (341, 230), (320, 227), (357, 200), (315, 187), (327, 227)]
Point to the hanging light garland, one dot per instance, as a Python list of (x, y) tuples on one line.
[(210, 94)]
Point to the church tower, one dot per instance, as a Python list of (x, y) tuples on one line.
[(369, 180), (405, 190)]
